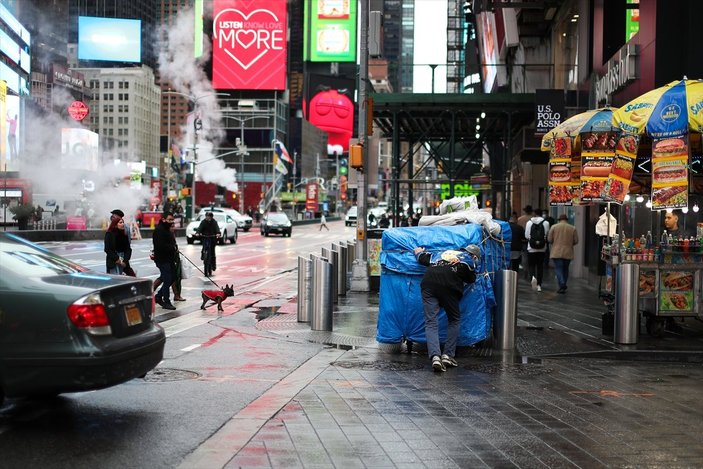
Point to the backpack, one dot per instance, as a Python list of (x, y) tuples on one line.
[(538, 238)]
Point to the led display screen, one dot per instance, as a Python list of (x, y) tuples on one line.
[(330, 31), (109, 39), (79, 149), (249, 45)]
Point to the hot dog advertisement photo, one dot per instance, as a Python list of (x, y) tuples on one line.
[(669, 173), (596, 166), (598, 142), (560, 171)]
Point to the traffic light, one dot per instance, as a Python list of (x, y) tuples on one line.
[(343, 168), (356, 156)]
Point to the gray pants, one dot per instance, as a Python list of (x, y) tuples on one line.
[(432, 301)]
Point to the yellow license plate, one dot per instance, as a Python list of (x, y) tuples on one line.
[(133, 314)]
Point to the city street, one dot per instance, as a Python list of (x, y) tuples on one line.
[(213, 367)]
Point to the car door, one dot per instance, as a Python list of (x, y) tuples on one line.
[(231, 227)]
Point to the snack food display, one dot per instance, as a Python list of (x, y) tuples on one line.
[(615, 190), (671, 173), (674, 301), (562, 194), (592, 189), (622, 167), (628, 144), (670, 147), (677, 280), (596, 168), (670, 196), (560, 173), (647, 282)]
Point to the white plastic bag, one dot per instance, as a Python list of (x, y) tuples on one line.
[(186, 269), (602, 225)]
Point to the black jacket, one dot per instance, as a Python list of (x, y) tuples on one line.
[(116, 241), (209, 227), (165, 248), (445, 277), (518, 237)]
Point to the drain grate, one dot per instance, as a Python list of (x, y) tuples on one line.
[(158, 375), (379, 365), (522, 369)]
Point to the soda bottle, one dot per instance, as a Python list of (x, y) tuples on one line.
[(648, 240)]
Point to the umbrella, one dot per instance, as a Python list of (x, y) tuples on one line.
[(595, 119), (668, 111)]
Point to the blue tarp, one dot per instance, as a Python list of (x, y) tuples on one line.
[(400, 311)]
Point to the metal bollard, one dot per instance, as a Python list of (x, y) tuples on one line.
[(304, 289), (321, 295), (506, 310), (333, 258), (341, 251), (626, 304)]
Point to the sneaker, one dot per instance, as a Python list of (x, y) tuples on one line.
[(168, 306), (158, 301), (437, 364), (534, 283), (449, 361), (561, 290), (539, 288)]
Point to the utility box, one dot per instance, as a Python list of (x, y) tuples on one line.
[(356, 156)]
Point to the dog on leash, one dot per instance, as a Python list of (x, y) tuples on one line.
[(218, 296)]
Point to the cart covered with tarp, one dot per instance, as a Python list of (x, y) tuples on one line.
[(401, 315)]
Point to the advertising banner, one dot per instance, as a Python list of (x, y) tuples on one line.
[(79, 149), (670, 173), (618, 184), (311, 196), (549, 110), (249, 44), (563, 183), (330, 31), (597, 154)]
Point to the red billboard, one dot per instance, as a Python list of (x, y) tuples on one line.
[(249, 44), (311, 197)]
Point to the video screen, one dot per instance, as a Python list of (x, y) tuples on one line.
[(109, 39)]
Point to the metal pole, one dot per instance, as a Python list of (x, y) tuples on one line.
[(321, 295), (304, 289), (241, 166), (627, 324), (195, 162), (506, 309), (360, 276), (333, 258)]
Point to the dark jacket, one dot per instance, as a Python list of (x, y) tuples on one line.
[(209, 227), (518, 238), (165, 248), (116, 241), (444, 276)]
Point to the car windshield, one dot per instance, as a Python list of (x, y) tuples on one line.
[(352, 211), (20, 257), (278, 217)]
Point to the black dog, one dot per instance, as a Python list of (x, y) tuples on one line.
[(218, 296)]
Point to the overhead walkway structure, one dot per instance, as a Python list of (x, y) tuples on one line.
[(445, 125)]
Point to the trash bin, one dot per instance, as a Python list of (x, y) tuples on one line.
[(304, 288), (505, 322), (627, 324), (321, 295)]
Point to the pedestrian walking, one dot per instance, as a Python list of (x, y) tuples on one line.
[(523, 219), (178, 273), (562, 237), (516, 243), (536, 232), (442, 286), (165, 253), (323, 222), (384, 222), (117, 247)]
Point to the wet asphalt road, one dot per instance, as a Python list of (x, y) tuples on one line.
[(213, 366)]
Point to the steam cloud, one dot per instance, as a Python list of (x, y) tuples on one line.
[(186, 75)]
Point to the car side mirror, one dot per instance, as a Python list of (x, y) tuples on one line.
[(229, 220)]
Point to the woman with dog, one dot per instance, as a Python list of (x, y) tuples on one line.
[(117, 248)]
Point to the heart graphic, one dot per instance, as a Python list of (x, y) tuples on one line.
[(244, 38)]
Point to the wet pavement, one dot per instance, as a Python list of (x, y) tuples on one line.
[(566, 397)]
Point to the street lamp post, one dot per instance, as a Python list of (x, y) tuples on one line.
[(197, 125)]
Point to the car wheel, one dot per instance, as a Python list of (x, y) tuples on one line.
[(266, 234), (190, 240), (223, 239), (246, 230), (233, 239), (262, 233)]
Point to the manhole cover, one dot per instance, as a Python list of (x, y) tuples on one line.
[(524, 369), (380, 365), (170, 374)]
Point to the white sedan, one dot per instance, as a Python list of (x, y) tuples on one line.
[(228, 227)]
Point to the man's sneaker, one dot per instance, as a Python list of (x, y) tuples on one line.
[(539, 288), (437, 364), (168, 306), (534, 283), (158, 301), (449, 361)]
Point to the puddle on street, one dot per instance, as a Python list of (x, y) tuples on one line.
[(266, 312)]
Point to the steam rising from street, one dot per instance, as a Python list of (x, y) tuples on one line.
[(186, 75)]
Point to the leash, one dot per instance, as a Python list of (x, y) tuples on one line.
[(199, 270)]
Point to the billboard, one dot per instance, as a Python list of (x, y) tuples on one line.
[(10, 133), (330, 31), (109, 39), (79, 149), (249, 45)]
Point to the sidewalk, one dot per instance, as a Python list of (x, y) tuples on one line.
[(355, 405)]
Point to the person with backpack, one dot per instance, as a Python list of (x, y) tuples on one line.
[(536, 232)]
